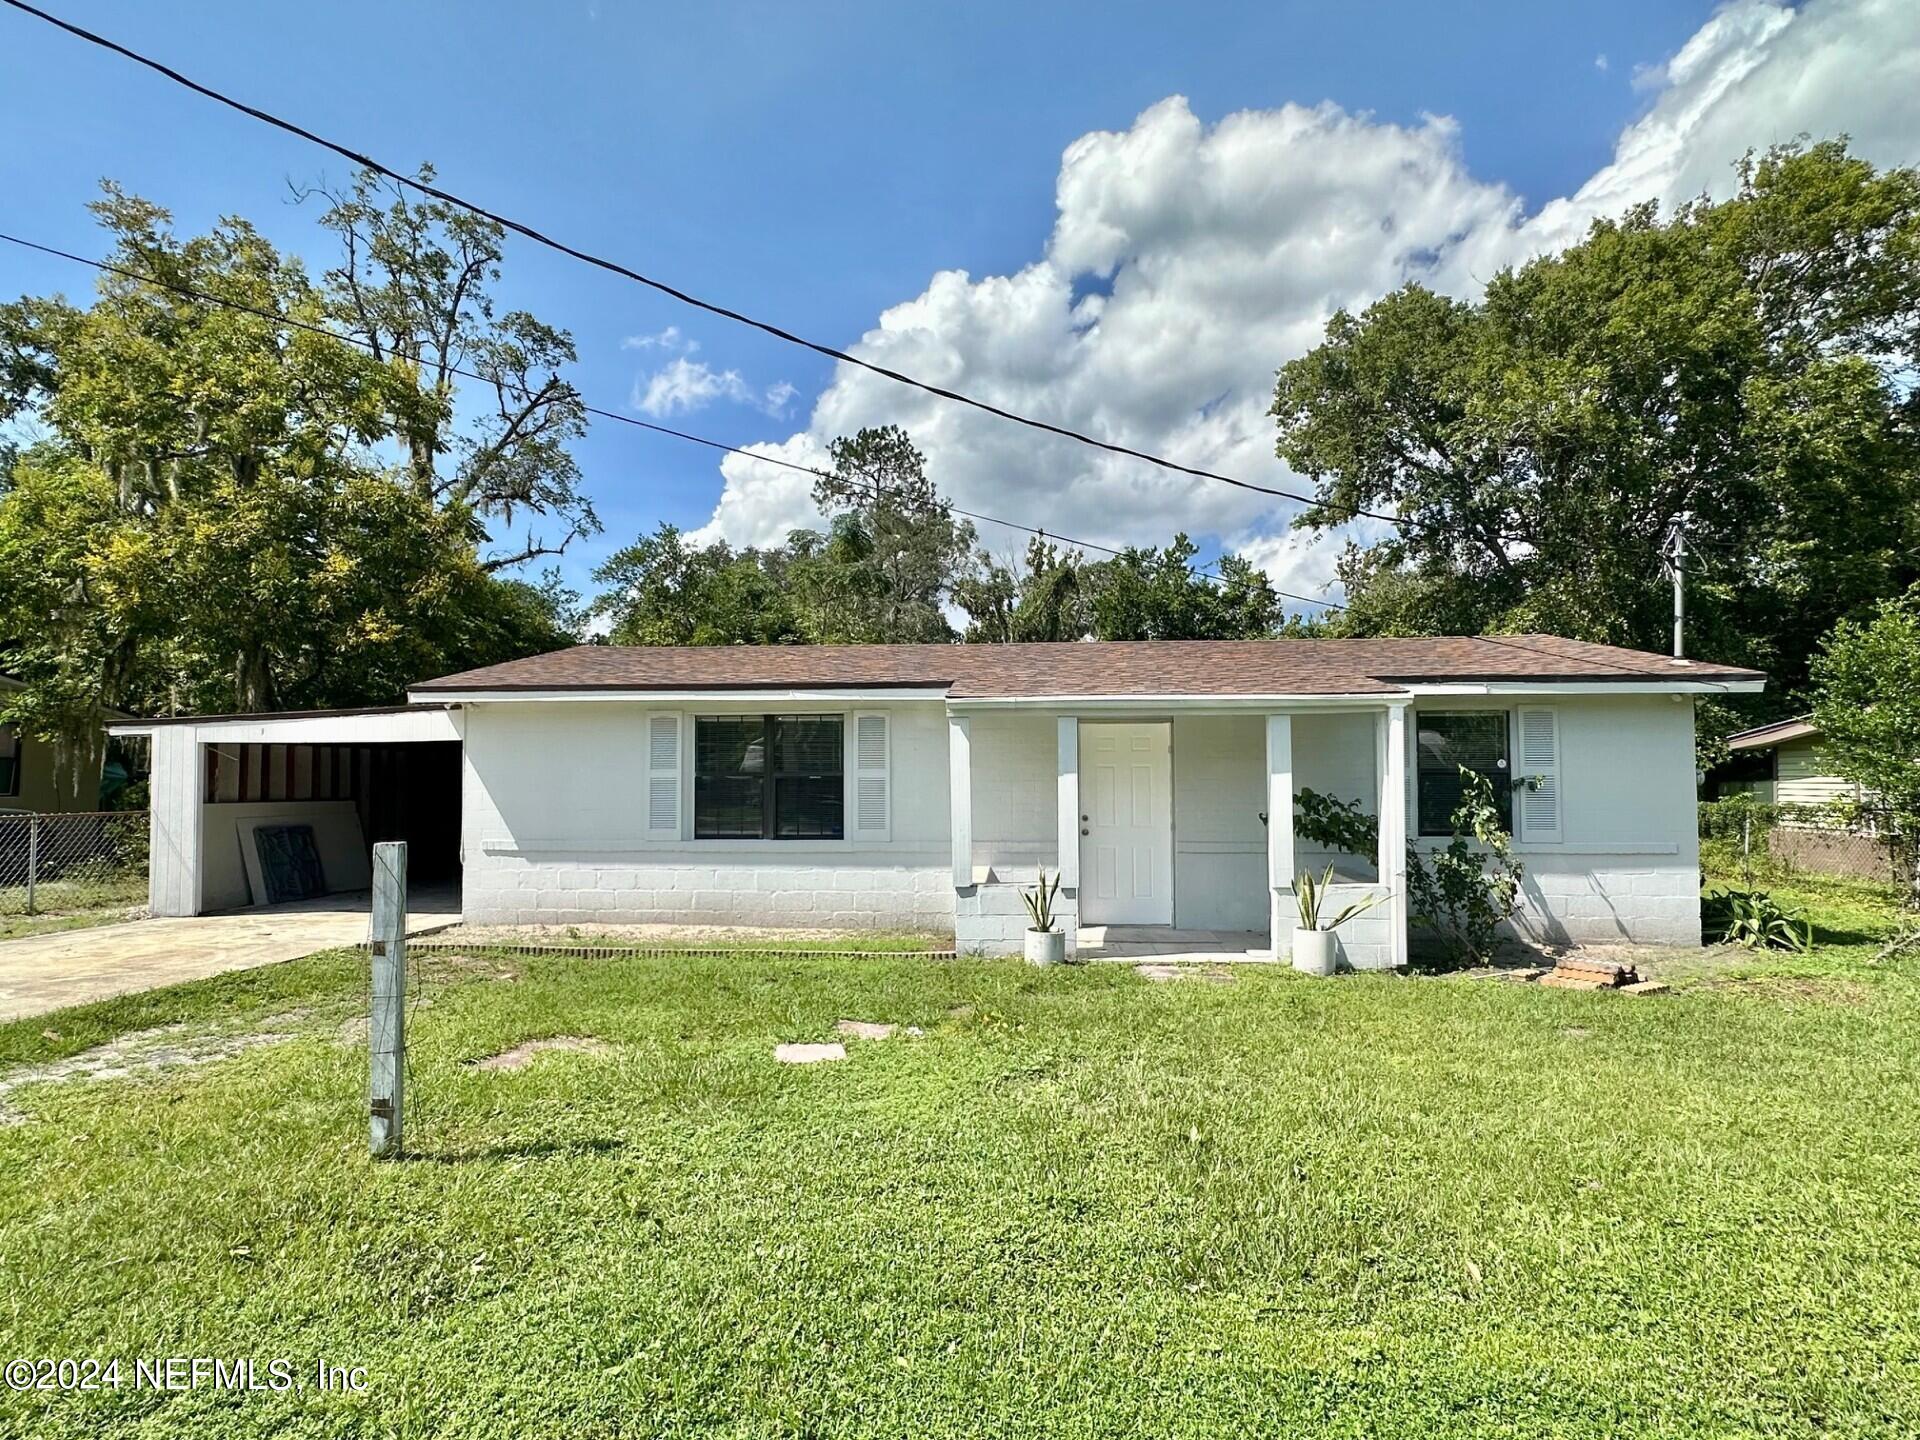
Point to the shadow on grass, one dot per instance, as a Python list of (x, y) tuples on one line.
[(517, 1150)]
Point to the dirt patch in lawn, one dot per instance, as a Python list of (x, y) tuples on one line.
[(146, 1052), (522, 1055), (1804, 989)]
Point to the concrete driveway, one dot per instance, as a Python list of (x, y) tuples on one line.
[(71, 967)]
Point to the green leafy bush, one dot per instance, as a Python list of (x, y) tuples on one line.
[(1461, 893)]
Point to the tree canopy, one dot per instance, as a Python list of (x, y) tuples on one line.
[(1749, 362), (224, 509), (893, 565), (1867, 707)]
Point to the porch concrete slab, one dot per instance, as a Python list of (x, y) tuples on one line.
[(1168, 946), (73, 967)]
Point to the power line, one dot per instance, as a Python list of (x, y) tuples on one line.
[(279, 318), (1506, 642), (685, 297)]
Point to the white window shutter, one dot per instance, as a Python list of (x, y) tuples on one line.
[(872, 781), (1538, 797), (663, 777)]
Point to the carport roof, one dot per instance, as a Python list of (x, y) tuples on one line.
[(1092, 668), (151, 723)]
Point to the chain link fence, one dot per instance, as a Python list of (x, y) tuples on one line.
[(1747, 839), (71, 864)]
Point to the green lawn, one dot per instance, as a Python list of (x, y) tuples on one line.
[(72, 903), (1080, 1204)]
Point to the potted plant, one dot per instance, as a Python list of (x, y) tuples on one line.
[(1313, 939), (1046, 943)]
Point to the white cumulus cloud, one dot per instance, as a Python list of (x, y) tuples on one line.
[(1189, 260), (682, 386)]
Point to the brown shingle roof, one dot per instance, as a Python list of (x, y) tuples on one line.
[(1147, 667)]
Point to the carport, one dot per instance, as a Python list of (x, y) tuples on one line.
[(240, 803)]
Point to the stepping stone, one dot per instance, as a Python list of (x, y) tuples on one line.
[(808, 1054), (1211, 975), (1646, 987), (864, 1029)]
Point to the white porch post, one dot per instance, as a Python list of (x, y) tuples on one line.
[(1280, 869), (1067, 861), (960, 797), (1392, 861)]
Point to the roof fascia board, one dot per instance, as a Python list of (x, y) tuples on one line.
[(1085, 703), (745, 694), (1590, 687)]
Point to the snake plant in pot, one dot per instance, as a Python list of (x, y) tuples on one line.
[(1313, 936), (1046, 942)]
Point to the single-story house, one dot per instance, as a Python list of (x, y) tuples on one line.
[(1781, 763), (919, 786), (30, 779)]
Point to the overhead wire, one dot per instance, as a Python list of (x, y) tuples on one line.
[(280, 318), (521, 228)]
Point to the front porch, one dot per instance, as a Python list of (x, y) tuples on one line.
[(1172, 829)]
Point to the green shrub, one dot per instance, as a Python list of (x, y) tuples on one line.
[(1753, 918)]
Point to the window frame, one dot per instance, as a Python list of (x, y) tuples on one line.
[(770, 778), (1503, 778)]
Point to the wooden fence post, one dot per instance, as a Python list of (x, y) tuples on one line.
[(386, 1027)]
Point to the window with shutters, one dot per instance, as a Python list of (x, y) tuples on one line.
[(768, 777), (1450, 742)]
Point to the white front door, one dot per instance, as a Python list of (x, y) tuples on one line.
[(1126, 828)]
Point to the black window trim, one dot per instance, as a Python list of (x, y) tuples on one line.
[(769, 830)]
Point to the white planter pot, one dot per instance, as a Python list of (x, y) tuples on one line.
[(1046, 947), (1313, 952)]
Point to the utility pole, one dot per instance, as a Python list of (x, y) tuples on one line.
[(386, 1026), (1676, 555)]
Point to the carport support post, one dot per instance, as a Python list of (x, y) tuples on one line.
[(386, 1027)]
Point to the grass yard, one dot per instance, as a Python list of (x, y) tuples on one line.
[(72, 904), (1079, 1204)]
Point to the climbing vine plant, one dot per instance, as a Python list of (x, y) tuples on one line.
[(1460, 893)]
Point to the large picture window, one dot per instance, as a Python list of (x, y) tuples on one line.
[(9, 761), (768, 777), (1473, 740)]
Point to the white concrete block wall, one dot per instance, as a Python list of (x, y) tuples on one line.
[(1627, 866), (993, 920), (1609, 899), (1364, 943), (554, 809), (856, 891), (554, 792)]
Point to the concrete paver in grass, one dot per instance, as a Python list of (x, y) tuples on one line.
[(1212, 974), (808, 1054)]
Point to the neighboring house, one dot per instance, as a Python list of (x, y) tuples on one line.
[(1781, 764), (917, 786), (28, 779)]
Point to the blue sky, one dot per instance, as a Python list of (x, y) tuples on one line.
[(819, 164)]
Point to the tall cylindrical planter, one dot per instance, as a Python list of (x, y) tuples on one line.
[(1313, 952), (1046, 947)]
